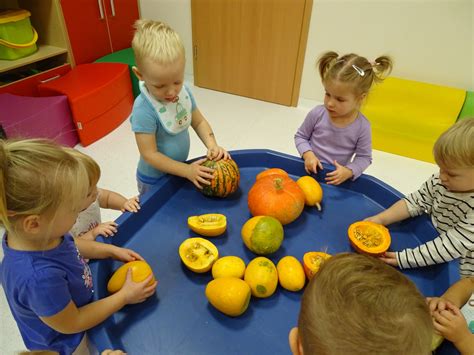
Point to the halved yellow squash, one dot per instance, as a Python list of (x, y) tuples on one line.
[(208, 225), (198, 254), (369, 237)]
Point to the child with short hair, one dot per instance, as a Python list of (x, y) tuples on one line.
[(447, 317), (165, 109), (332, 133), (47, 283), (88, 224), (448, 197), (356, 304)]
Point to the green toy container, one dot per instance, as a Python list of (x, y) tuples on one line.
[(17, 36)]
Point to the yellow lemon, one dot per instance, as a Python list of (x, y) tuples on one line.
[(262, 277), (229, 295), (291, 273), (313, 192), (228, 266), (140, 271)]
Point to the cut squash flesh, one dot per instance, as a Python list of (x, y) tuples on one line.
[(198, 254), (208, 225), (369, 238)]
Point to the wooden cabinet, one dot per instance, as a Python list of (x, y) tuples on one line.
[(99, 27), (52, 58)]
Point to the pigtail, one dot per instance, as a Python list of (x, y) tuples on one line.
[(3, 188), (325, 61), (382, 68)]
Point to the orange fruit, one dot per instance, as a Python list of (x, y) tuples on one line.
[(140, 271), (198, 254), (262, 234), (291, 274), (312, 261), (262, 277), (228, 266)]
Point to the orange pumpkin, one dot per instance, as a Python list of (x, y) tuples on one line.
[(276, 196), (312, 261), (271, 172), (226, 178), (369, 237)]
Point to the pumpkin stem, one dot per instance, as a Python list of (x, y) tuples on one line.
[(318, 206), (278, 183)]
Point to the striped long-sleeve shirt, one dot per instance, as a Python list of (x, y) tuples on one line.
[(452, 213)]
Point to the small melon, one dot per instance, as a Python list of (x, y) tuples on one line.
[(140, 271), (262, 234), (291, 274), (228, 266), (229, 295), (262, 277)]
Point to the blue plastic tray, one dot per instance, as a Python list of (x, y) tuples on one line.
[(179, 319)]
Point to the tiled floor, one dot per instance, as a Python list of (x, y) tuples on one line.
[(239, 123)]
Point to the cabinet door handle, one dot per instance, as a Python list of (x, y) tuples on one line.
[(112, 6), (50, 79), (101, 9)]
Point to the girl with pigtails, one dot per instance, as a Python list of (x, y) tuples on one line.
[(337, 132), (47, 283)]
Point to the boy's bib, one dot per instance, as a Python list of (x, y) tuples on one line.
[(175, 117)]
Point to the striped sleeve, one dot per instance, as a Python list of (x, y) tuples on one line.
[(456, 242), (421, 201)]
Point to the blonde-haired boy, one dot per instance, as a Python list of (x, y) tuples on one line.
[(448, 197), (165, 109), (356, 304)]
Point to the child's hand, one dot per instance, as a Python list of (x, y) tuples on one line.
[(131, 205), (451, 323), (125, 255), (137, 292), (311, 162), (217, 153), (339, 175), (436, 304), (106, 229), (199, 175), (389, 258)]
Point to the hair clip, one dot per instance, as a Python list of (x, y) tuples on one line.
[(358, 70)]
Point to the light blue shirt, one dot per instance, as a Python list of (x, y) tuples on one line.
[(145, 119)]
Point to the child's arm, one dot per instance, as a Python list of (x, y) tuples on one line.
[(451, 324), (73, 320), (449, 245), (458, 294), (91, 249), (115, 201), (197, 174), (204, 131), (303, 138), (363, 153), (395, 213)]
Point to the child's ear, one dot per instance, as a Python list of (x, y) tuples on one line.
[(31, 224), (137, 73), (295, 342), (362, 97)]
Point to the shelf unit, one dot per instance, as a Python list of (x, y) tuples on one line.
[(53, 46)]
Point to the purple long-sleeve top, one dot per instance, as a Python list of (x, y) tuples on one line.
[(329, 143)]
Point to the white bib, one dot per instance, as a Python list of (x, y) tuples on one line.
[(175, 116)]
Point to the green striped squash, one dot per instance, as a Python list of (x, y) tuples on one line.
[(226, 178)]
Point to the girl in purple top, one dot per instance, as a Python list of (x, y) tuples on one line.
[(337, 132)]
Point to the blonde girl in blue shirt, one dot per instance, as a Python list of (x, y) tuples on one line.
[(47, 283)]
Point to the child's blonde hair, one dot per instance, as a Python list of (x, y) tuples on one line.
[(38, 176), (354, 69), (357, 304), (156, 41), (455, 147), (92, 168)]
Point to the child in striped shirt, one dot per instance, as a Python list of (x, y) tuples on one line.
[(448, 197)]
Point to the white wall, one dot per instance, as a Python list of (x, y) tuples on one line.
[(429, 40)]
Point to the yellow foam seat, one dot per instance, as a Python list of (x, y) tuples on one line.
[(408, 116)]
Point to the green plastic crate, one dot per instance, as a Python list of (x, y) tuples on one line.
[(17, 36)]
